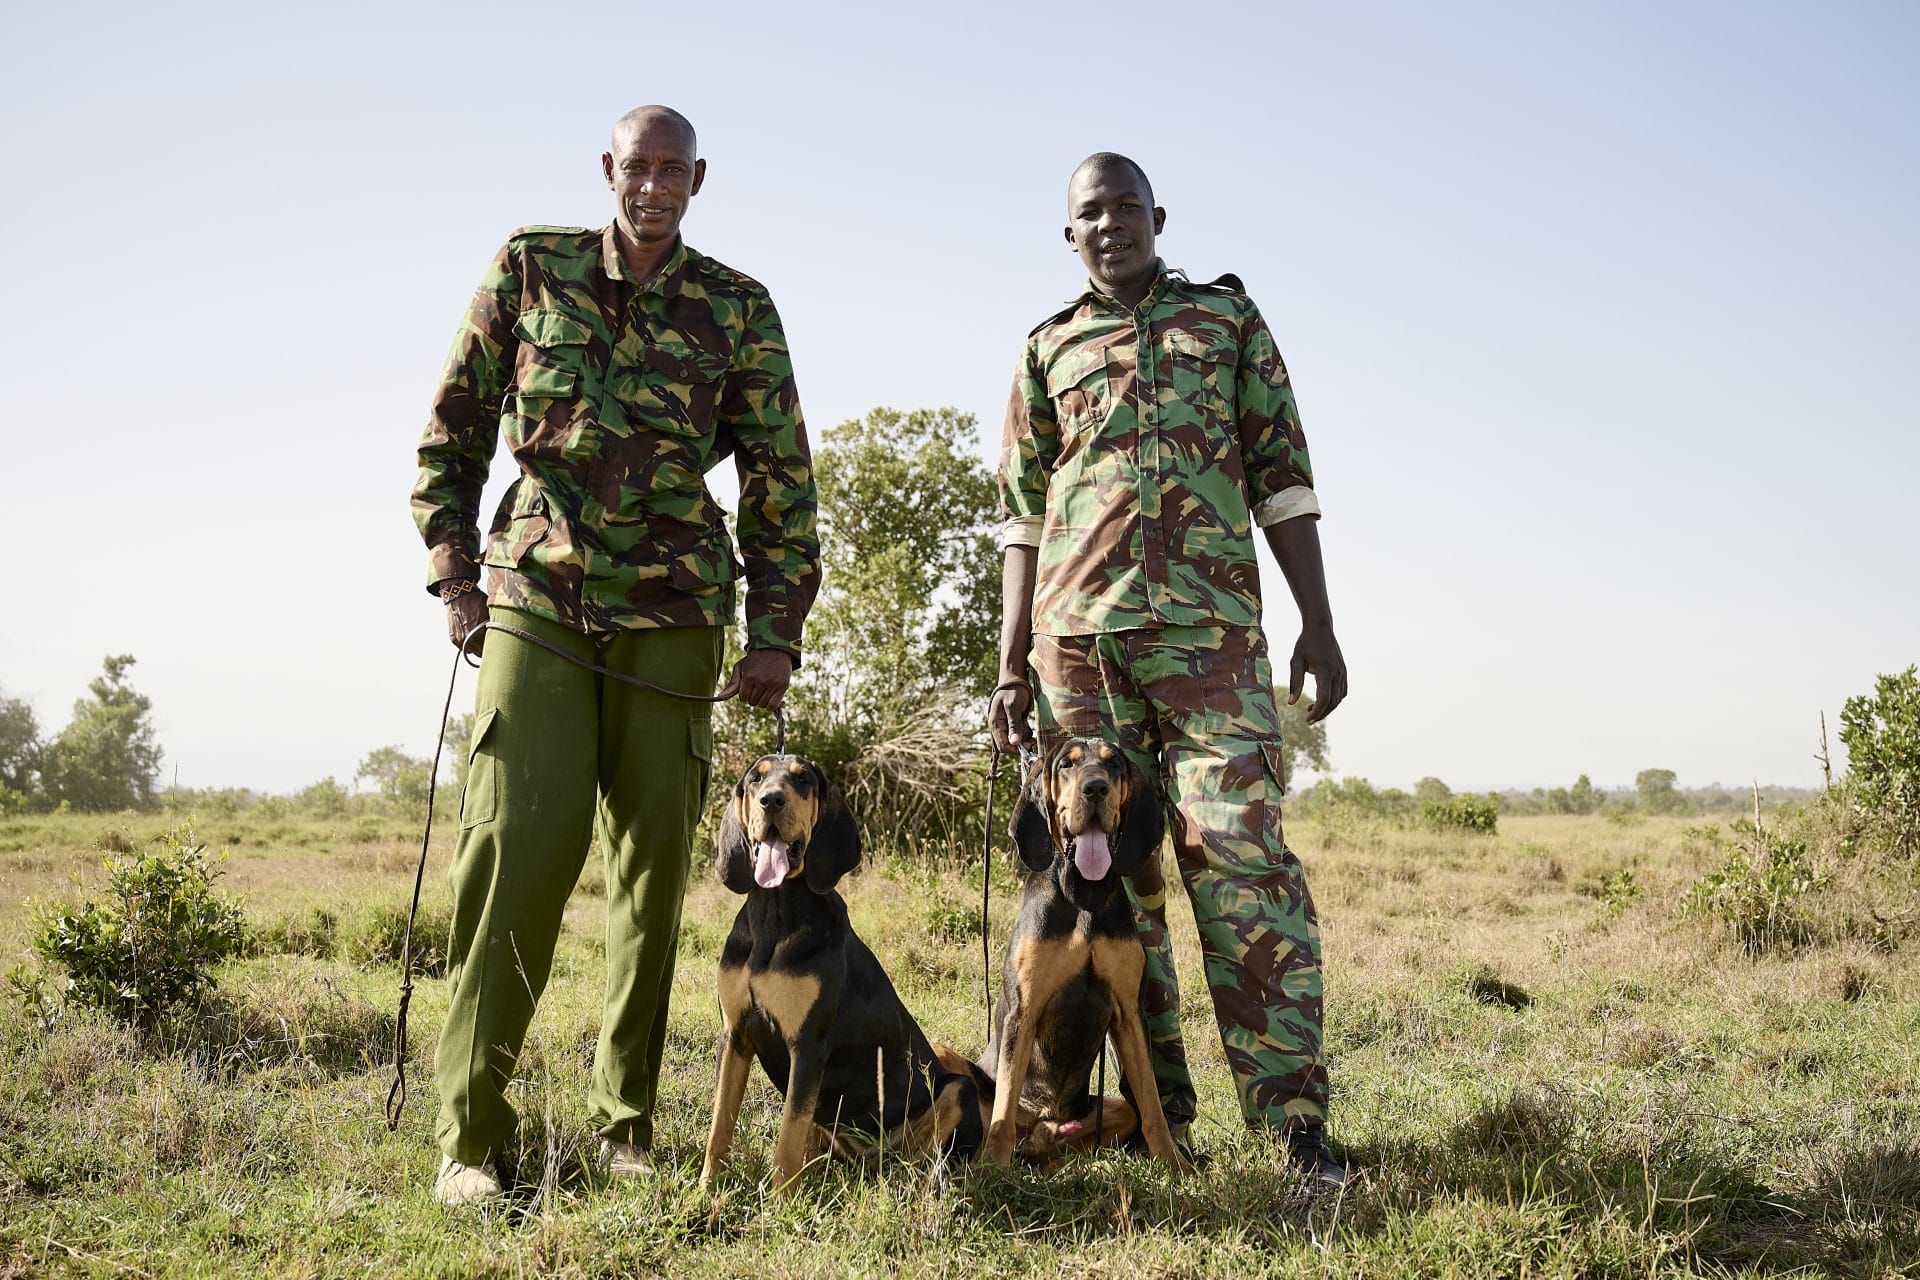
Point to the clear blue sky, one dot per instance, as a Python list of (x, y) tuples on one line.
[(1603, 324)]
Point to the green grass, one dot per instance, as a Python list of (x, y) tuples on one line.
[(1539, 1068)]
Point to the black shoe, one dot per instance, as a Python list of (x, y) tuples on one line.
[(1307, 1151)]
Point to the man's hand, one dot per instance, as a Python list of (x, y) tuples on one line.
[(762, 677), (465, 612), (1007, 717), (1318, 652)]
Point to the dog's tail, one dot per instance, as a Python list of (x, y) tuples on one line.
[(964, 1098)]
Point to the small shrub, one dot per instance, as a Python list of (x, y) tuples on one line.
[(1882, 737), (1477, 814), (153, 942), (1617, 890), (951, 921), (1758, 893)]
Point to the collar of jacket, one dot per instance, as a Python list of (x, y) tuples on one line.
[(1163, 275), (672, 271)]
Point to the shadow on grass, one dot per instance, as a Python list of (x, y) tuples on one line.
[(1674, 1191)]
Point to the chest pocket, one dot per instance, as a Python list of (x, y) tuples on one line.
[(553, 354), (674, 389), (1081, 392), (1203, 369)]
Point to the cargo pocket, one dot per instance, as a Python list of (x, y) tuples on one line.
[(1275, 754), (481, 797)]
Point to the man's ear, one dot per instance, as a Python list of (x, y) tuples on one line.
[(699, 176), (1141, 825), (1032, 825), (833, 846), (606, 168), (1159, 220), (733, 857)]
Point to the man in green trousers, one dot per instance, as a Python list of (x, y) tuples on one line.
[(622, 366)]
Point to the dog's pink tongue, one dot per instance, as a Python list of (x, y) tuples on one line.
[(770, 863), (1090, 855)]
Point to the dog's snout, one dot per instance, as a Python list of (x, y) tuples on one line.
[(1094, 788), (772, 799)]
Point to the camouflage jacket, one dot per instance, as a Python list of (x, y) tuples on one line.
[(616, 400), (1140, 450)]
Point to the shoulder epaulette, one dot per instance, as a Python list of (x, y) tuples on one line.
[(1058, 316), (1225, 283), (721, 273), (540, 229)]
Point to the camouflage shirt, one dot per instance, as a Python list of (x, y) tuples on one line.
[(1140, 450), (616, 399)]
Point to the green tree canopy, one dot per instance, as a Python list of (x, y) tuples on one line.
[(1881, 732), (1657, 794), (107, 757), (397, 776), (19, 751)]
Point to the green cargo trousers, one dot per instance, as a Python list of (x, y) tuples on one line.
[(1194, 706), (557, 754)]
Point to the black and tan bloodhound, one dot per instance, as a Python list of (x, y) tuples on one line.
[(1085, 819), (804, 995)]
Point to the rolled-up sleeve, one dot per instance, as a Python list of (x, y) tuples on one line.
[(1029, 445), (1273, 445)]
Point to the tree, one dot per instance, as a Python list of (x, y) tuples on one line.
[(1882, 736), (910, 594), (902, 645), (1656, 790), (1581, 797), (1432, 791), (107, 756), (398, 776), (19, 753), (1302, 745)]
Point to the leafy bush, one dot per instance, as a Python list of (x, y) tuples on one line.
[(1478, 814), (1759, 894), (153, 942), (1616, 890), (1882, 736)]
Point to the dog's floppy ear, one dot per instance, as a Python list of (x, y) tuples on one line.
[(1141, 825), (1032, 827), (833, 846), (733, 855)]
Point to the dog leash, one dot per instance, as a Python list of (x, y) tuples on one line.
[(397, 1094)]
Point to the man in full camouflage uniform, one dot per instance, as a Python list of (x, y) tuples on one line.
[(622, 365), (1151, 430)]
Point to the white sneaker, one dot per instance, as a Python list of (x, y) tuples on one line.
[(624, 1160), (464, 1184)]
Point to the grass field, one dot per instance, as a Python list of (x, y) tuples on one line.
[(1538, 1068)]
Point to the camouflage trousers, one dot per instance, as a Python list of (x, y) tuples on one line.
[(1194, 706)]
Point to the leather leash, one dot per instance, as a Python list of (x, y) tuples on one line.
[(397, 1094)]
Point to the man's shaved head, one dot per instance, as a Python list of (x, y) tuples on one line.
[(1101, 162), (640, 117)]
